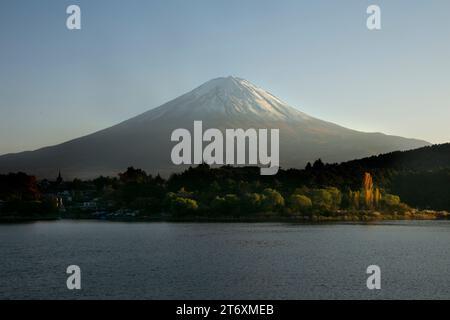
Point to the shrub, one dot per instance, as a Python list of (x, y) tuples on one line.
[(273, 200), (300, 203), (183, 206), (389, 200), (322, 199)]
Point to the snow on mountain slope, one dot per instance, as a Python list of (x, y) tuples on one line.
[(228, 97)]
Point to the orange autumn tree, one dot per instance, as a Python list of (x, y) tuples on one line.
[(367, 189), (368, 197)]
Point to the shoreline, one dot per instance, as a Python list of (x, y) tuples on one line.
[(367, 217)]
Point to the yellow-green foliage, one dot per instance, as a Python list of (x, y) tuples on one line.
[(300, 203), (272, 200), (181, 205), (390, 200)]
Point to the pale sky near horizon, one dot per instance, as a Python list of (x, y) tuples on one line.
[(132, 56)]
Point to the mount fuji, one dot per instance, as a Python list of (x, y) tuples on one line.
[(144, 141)]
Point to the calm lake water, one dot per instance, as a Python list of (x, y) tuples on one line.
[(224, 261)]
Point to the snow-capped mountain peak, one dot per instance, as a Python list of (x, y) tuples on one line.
[(232, 97)]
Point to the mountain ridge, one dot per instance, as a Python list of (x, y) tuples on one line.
[(228, 102)]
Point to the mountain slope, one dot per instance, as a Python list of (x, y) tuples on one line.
[(144, 141)]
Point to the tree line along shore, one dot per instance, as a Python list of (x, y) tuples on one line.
[(320, 192)]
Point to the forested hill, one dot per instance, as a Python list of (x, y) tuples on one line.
[(427, 158)]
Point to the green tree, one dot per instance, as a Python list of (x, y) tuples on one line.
[(377, 197), (390, 200), (302, 191), (355, 199), (133, 175), (300, 203), (229, 204), (336, 197), (183, 206), (252, 202), (273, 200), (322, 199), (346, 201)]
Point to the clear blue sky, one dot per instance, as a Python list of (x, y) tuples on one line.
[(131, 56)]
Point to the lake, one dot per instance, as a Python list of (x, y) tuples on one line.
[(225, 260)]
